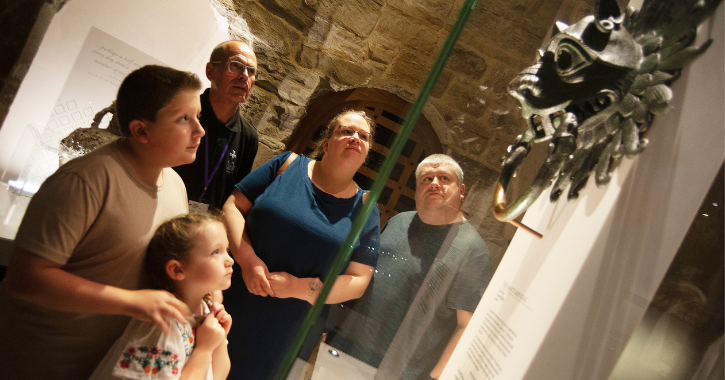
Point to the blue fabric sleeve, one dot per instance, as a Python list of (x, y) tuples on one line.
[(254, 184)]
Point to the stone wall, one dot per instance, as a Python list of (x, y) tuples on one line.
[(308, 48)]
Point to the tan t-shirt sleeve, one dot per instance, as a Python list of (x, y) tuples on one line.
[(58, 217)]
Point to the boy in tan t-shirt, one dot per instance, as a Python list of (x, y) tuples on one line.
[(75, 273)]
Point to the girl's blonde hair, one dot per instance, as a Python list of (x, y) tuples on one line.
[(173, 240)]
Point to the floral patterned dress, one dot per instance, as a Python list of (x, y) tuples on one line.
[(145, 352)]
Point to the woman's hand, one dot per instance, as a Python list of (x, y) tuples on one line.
[(283, 284), (254, 273), (286, 285), (225, 320), (156, 306)]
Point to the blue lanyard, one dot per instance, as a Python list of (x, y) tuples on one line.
[(207, 177)]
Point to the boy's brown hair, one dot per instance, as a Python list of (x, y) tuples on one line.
[(147, 90)]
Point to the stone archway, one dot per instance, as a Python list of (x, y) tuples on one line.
[(388, 110)]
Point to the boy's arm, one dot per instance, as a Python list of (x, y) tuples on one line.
[(463, 318), (43, 282), (254, 270)]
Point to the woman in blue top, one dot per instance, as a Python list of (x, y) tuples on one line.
[(286, 220)]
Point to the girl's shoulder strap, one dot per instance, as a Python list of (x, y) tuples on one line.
[(287, 162)]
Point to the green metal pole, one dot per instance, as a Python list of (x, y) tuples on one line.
[(343, 255)]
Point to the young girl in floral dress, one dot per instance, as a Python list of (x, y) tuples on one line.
[(188, 257)]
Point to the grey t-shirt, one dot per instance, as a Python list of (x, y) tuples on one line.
[(408, 313)]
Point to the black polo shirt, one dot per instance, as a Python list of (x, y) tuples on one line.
[(235, 165)]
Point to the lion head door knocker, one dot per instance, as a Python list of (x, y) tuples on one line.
[(595, 90)]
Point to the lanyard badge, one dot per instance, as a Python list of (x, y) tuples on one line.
[(208, 177)]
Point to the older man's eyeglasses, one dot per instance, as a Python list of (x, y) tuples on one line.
[(350, 132), (237, 68)]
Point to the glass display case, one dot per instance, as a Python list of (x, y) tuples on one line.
[(626, 279)]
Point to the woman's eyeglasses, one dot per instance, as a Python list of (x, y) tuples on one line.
[(350, 132)]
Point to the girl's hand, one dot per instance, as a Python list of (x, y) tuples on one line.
[(221, 315), (209, 334), (255, 272), (156, 306)]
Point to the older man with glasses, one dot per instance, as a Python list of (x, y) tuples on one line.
[(229, 147)]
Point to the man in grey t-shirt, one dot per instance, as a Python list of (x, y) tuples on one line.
[(432, 270)]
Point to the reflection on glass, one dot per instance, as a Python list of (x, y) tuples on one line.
[(432, 270), (681, 334)]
